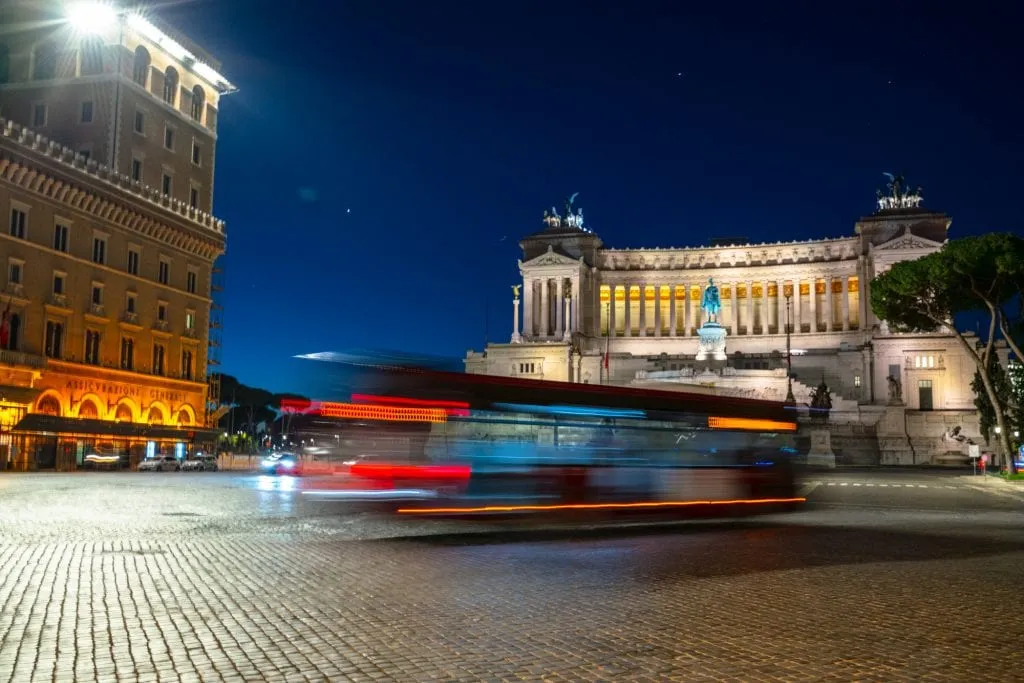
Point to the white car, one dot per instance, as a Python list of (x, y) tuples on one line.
[(160, 463)]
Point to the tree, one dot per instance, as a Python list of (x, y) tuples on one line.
[(1004, 392), (967, 275)]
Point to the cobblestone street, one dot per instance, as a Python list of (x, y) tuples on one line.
[(208, 577)]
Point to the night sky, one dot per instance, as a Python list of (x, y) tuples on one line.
[(383, 158)]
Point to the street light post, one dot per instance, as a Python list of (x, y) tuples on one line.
[(790, 399)]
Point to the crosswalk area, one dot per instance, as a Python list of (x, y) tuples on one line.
[(893, 485)]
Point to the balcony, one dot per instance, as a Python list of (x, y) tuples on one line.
[(30, 360), (130, 317), (162, 326), (59, 300), (190, 333), (15, 289)]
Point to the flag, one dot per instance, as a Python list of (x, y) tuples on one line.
[(5, 326), (605, 360)]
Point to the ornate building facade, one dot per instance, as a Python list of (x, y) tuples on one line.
[(632, 316), (106, 175)]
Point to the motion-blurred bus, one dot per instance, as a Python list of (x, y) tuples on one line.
[(436, 443)]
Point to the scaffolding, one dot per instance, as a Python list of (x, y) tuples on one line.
[(214, 409)]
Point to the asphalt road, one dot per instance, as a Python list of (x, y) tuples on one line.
[(886, 575)]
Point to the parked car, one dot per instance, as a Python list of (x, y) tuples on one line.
[(200, 463), (160, 463)]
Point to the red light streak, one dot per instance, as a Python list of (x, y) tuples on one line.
[(598, 506), (402, 401), (420, 472)]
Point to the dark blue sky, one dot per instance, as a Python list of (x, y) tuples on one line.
[(383, 157)]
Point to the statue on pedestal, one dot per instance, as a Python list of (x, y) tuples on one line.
[(712, 302), (821, 402), (895, 390)]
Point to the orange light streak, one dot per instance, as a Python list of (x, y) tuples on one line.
[(361, 411), (750, 424), (600, 506)]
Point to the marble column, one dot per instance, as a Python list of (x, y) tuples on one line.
[(575, 326), (657, 310), (610, 311), (831, 300), (844, 283), (516, 337), (628, 329), (643, 310), (567, 333), (796, 315), (813, 301), (780, 304), (734, 309), (545, 308), (528, 302), (766, 308), (560, 320), (687, 314), (750, 307), (672, 311)]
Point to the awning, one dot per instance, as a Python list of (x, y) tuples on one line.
[(12, 394), (38, 422)]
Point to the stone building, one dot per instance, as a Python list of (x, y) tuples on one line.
[(107, 140), (595, 314)]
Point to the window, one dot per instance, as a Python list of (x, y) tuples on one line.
[(99, 250), (60, 237), (190, 320), (14, 332), (140, 72), (14, 273), (924, 394), (193, 197), (92, 57), (197, 153), (129, 303), (198, 100), (133, 262), (140, 122), (39, 115), (924, 362), (86, 112), (97, 294), (190, 281), (92, 347), (137, 170), (526, 368), (127, 353), (44, 65), (19, 220), (186, 364), (169, 138), (158, 359), (58, 283), (165, 184), (856, 380), (165, 272), (161, 312), (54, 339), (85, 152), (171, 86)]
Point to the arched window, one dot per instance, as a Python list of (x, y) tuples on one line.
[(124, 413), (14, 332), (156, 416), (140, 74), (88, 411), (198, 103), (92, 56), (184, 418), (171, 86), (44, 62), (48, 405)]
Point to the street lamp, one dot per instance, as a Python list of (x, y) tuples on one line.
[(790, 399)]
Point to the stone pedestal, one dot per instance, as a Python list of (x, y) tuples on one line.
[(712, 342), (821, 454), (893, 443)]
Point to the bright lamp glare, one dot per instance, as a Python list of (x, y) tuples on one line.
[(91, 17)]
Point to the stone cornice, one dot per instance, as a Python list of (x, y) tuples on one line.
[(43, 167), (775, 254), (725, 274)]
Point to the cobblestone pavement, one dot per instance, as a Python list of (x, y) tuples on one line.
[(208, 577)]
